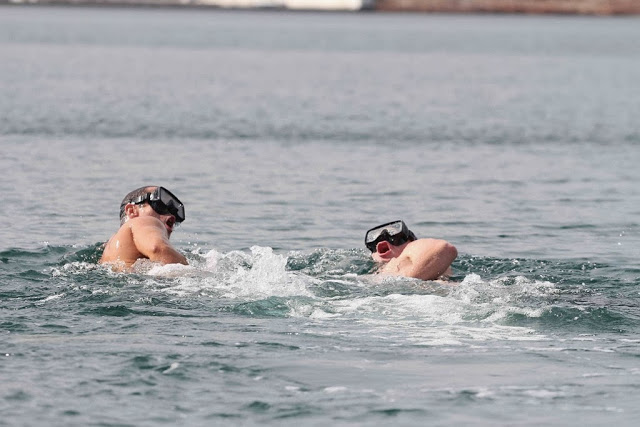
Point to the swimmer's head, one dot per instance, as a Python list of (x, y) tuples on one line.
[(138, 192), (394, 233), (161, 200)]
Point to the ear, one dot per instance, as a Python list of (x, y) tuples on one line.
[(131, 210)]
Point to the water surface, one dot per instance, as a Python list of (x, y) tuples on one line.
[(287, 135)]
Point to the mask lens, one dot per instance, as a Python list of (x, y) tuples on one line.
[(391, 228), (159, 207), (165, 203), (174, 205)]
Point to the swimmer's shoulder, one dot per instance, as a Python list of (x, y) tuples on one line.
[(119, 246)]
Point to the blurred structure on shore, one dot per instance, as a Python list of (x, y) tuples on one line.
[(292, 4), (347, 5), (586, 7), (583, 7)]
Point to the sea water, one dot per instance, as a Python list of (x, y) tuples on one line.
[(287, 135)]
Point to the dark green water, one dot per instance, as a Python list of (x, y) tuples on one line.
[(287, 136)]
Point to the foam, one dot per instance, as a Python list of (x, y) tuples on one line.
[(425, 313), (73, 268), (255, 275), (429, 320), (396, 308)]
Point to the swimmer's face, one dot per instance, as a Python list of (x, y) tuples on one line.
[(385, 251)]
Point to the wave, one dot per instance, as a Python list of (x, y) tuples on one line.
[(487, 298), (293, 133)]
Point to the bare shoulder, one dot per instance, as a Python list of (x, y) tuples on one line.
[(425, 259), (118, 246), (123, 247), (429, 247)]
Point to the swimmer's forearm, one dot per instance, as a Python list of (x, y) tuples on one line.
[(152, 241), (166, 255), (160, 250)]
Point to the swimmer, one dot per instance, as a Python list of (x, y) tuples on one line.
[(400, 253), (147, 218)]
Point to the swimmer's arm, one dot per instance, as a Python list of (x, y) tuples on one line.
[(152, 240), (427, 259)]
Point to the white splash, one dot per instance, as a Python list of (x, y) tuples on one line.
[(259, 274), (72, 268), (421, 313)]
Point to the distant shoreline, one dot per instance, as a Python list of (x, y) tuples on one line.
[(533, 7), (540, 7)]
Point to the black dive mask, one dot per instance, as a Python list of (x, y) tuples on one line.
[(395, 232), (163, 202)]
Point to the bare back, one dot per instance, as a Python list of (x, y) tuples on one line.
[(138, 238), (121, 250)]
